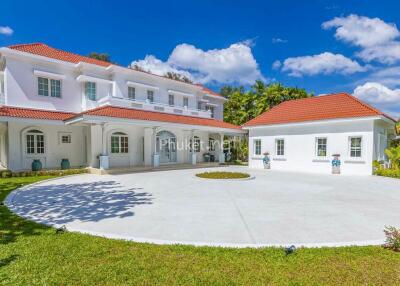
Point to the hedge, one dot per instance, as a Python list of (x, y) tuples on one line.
[(9, 174), (388, 173)]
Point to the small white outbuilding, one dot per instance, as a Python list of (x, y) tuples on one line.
[(303, 135)]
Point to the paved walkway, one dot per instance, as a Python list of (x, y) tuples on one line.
[(275, 208)]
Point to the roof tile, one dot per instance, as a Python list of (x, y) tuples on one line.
[(332, 106), (7, 111)]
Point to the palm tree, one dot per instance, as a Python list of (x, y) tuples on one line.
[(394, 157)]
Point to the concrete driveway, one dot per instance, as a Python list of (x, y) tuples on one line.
[(275, 208)]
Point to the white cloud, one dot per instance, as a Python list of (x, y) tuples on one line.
[(362, 31), (388, 53), (380, 96), (325, 63), (279, 41), (276, 65), (151, 64), (5, 30), (235, 64), (376, 38)]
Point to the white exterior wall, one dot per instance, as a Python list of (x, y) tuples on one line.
[(18, 159), (300, 146), (21, 86)]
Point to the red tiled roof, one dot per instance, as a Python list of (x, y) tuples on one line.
[(7, 111), (46, 51), (332, 106), (127, 113), (53, 53)]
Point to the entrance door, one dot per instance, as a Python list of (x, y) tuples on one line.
[(166, 147)]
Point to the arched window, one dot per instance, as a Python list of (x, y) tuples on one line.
[(196, 145), (119, 143), (35, 142)]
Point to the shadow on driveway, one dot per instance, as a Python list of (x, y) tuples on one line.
[(63, 203)]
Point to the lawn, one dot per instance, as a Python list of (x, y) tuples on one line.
[(31, 254)]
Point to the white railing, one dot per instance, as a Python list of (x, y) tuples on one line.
[(153, 106)]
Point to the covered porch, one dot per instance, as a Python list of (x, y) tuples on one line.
[(120, 144)]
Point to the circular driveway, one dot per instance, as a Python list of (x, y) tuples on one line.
[(275, 208)]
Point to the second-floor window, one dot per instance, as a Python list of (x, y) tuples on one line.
[(44, 90), (90, 90), (171, 99), (131, 92), (211, 109), (186, 101), (150, 95)]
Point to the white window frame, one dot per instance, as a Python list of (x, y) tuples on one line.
[(185, 101), (130, 88), (150, 98), (255, 141), (120, 147), (93, 87), (276, 147), (35, 142), (64, 134), (171, 99), (317, 145), (361, 147), (195, 144), (211, 144), (49, 86)]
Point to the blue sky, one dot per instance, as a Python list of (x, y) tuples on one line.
[(322, 46)]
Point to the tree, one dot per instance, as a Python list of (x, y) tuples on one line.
[(394, 157), (242, 105), (177, 76), (100, 56)]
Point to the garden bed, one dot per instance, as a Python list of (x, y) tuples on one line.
[(223, 175)]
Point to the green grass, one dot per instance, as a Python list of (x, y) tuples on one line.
[(31, 254), (223, 175)]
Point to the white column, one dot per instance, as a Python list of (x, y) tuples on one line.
[(104, 160), (156, 156), (193, 156), (221, 155)]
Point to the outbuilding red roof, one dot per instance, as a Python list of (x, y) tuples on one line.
[(324, 107), (127, 113), (8, 111)]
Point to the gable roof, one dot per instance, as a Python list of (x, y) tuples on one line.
[(136, 114), (7, 111), (324, 107), (44, 50)]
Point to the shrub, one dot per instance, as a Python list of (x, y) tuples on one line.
[(8, 174), (388, 173), (392, 238), (223, 175)]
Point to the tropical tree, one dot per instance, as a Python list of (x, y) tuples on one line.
[(100, 56), (393, 154), (243, 105), (177, 76)]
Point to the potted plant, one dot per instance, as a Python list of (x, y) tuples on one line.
[(266, 160), (336, 164), (36, 165), (65, 164)]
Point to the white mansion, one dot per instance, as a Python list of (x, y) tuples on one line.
[(58, 105)]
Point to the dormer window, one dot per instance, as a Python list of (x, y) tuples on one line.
[(171, 100), (185, 101), (43, 87), (150, 96), (131, 92), (90, 90)]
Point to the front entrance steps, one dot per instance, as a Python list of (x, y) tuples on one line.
[(141, 169)]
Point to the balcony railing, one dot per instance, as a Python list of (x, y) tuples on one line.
[(153, 106)]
